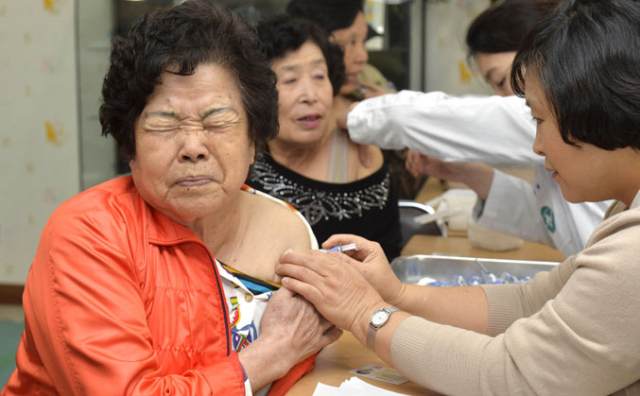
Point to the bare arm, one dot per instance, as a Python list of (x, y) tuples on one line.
[(291, 329)]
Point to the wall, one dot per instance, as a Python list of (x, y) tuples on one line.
[(39, 150), (95, 29), (446, 64)]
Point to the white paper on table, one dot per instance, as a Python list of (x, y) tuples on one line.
[(352, 387), (326, 390)]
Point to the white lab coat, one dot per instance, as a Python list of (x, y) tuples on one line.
[(493, 130)]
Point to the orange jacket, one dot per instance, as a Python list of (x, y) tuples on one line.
[(122, 300)]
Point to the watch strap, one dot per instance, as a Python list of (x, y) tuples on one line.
[(371, 331)]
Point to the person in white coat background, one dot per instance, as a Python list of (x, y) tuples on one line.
[(459, 136)]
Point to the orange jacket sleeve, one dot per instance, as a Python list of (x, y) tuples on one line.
[(87, 322)]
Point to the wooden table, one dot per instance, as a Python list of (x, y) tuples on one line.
[(459, 246), (335, 361)]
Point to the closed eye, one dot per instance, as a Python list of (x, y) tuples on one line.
[(161, 126)]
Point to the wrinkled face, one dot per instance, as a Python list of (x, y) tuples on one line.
[(584, 173), (192, 146), (305, 96), (496, 70), (352, 40)]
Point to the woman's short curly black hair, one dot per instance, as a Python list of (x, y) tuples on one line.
[(586, 57), (192, 33), (284, 33)]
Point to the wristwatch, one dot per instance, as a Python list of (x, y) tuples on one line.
[(378, 319)]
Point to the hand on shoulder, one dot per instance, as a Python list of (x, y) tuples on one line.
[(367, 159), (341, 119)]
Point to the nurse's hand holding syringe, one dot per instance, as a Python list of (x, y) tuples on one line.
[(369, 259)]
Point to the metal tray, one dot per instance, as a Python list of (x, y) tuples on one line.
[(412, 269)]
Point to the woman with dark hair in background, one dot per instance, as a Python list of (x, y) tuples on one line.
[(571, 331), (312, 164), (163, 282), (345, 21), (458, 136)]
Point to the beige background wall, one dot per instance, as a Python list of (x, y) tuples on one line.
[(446, 63), (50, 77), (38, 124)]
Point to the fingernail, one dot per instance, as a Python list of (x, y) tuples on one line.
[(285, 252)]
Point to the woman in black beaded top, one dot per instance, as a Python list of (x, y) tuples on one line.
[(311, 164)]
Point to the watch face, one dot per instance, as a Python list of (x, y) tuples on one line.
[(380, 317)]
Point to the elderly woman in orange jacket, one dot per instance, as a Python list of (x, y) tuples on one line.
[(141, 285)]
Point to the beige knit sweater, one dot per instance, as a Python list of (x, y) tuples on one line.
[(572, 331)]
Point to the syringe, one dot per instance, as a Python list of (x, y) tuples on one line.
[(341, 248)]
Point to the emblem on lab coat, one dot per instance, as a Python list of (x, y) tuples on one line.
[(548, 218)]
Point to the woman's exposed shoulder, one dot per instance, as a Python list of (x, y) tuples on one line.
[(269, 230), (278, 220)]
